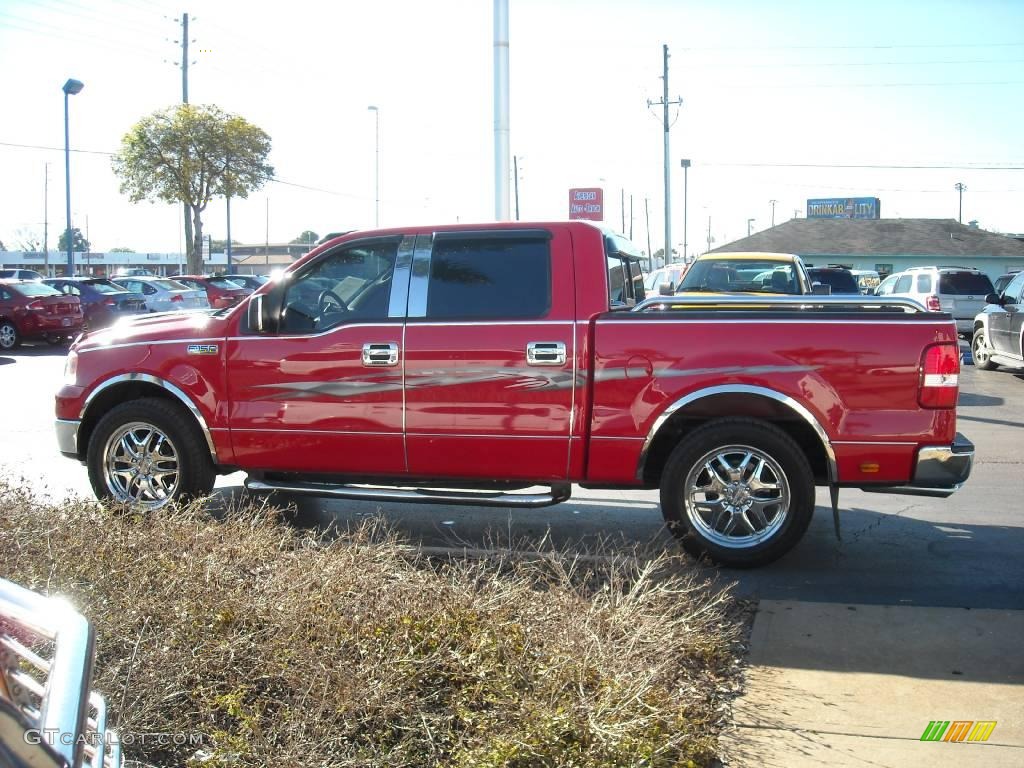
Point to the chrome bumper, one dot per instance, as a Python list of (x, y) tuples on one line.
[(67, 436), (940, 470)]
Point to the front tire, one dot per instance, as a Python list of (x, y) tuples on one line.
[(981, 351), (148, 453), (9, 336), (738, 491)]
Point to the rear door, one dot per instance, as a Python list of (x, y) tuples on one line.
[(489, 355), (962, 293)]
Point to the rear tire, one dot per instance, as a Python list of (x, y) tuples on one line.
[(738, 491), (149, 453), (9, 336), (981, 351)]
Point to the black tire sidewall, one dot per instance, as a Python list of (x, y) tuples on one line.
[(195, 469), (988, 365), (765, 437)]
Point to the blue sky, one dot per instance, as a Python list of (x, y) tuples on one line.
[(786, 84)]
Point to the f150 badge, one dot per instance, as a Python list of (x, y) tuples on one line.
[(202, 349)]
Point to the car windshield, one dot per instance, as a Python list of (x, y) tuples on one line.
[(223, 282), (741, 275), (838, 280), (168, 285), (104, 286), (964, 283), (35, 290)]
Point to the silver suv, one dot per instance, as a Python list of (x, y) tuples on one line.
[(960, 291)]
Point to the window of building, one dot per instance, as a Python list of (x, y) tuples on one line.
[(499, 278)]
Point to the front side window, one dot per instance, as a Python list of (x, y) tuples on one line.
[(481, 279), (1015, 290), (903, 284), (350, 285)]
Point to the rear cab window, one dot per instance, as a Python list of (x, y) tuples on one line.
[(964, 284)]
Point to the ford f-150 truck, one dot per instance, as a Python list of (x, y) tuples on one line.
[(470, 364)]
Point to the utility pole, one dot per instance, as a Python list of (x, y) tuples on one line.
[(515, 174), (266, 243), (501, 110), (686, 201), (46, 219), (796, 213), (189, 244), (665, 103), (749, 223), (773, 202), (630, 217), (710, 239), (961, 187), (647, 218)]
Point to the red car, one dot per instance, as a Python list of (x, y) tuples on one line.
[(220, 291), (34, 310), (463, 364)]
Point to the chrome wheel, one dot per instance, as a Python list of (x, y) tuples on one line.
[(736, 496), (980, 350), (8, 336), (140, 466)]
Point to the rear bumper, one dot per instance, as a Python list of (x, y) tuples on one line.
[(67, 436), (940, 470)]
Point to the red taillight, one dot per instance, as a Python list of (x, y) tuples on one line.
[(932, 304), (940, 376), (110, 302), (36, 306), (177, 297)]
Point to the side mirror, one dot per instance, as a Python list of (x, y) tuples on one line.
[(994, 298), (820, 289), (665, 289), (260, 312)]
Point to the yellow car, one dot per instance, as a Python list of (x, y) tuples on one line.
[(746, 273)]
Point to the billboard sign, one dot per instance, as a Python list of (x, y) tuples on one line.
[(586, 203), (844, 208)]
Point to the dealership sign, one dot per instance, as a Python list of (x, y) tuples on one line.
[(586, 203), (845, 208)]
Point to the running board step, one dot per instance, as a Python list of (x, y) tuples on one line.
[(556, 495)]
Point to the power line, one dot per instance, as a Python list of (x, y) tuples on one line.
[(1007, 167), (850, 47), (761, 86)]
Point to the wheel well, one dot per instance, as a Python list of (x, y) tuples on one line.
[(700, 412), (115, 395)]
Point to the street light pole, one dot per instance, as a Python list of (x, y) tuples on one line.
[(686, 199), (376, 166), (71, 87)]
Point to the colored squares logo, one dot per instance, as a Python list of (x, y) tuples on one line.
[(958, 730)]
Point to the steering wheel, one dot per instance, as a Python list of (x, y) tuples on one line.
[(329, 301)]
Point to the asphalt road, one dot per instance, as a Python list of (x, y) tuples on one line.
[(965, 551)]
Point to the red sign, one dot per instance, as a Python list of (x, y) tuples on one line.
[(586, 203)]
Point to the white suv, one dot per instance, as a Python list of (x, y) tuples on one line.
[(960, 291)]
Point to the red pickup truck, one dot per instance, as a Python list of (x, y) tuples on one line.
[(469, 364)]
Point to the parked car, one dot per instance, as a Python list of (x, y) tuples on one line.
[(34, 310), (670, 275), (746, 273), (839, 279), (19, 274), (960, 291), (165, 295), (1004, 280), (999, 328), (133, 272), (517, 354), (103, 301), (252, 282), (220, 291), (867, 280)]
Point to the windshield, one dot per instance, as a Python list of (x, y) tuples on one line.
[(741, 275), (104, 286), (223, 282), (168, 285), (35, 289), (964, 284)]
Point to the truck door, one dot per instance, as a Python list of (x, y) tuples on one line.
[(489, 355), (322, 392)]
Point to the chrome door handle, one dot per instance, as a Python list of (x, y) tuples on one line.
[(380, 354), (545, 353)]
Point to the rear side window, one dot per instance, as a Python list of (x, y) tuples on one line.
[(104, 286), (498, 278), (924, 283), (964, 284)]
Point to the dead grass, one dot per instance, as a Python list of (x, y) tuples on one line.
[(282, 648)]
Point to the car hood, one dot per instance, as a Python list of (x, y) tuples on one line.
[(160, 326)]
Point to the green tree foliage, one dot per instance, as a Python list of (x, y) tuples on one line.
[(220, 246), (78, 243), (190, 154), (308, 237)]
